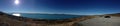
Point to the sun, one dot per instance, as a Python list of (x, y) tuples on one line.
[(16, 2)]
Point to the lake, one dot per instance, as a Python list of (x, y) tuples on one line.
[(48, 16)]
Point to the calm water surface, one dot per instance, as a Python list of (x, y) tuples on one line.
[(48, 16)]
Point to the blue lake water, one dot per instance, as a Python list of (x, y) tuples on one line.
[(49, 16)]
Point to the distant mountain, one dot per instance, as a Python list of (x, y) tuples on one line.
[(117, 13), (1, 13)]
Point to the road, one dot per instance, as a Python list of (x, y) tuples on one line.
[(101, 21)]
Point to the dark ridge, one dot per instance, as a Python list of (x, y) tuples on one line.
[(1, 13), (117, 13)]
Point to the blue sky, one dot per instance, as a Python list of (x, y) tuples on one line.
[(81, 7)]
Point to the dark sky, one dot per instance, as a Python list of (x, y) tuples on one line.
[(81, 7)]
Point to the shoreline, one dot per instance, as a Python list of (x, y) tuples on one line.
[(33, 22)]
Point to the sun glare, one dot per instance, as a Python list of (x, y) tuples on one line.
[(16, 14), (16, 2)]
